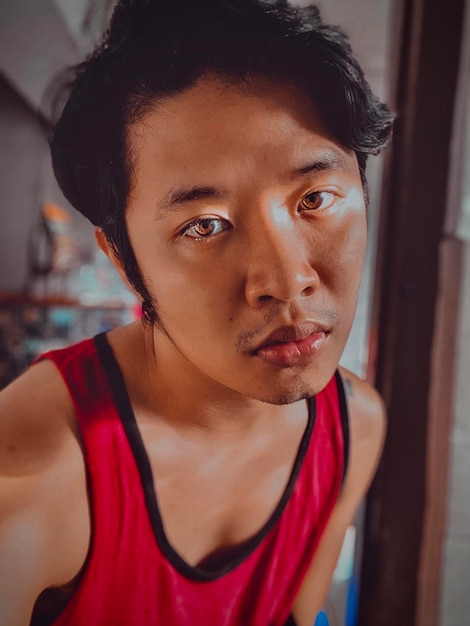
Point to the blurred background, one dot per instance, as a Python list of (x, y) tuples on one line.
[(406, 561)]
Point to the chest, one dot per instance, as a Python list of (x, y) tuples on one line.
[(254, 504), (212, 499)]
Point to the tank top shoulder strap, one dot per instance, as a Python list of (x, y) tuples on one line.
[(333, 400), (86, 380), (344, 417)]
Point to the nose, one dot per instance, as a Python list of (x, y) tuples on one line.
[(279, 266)]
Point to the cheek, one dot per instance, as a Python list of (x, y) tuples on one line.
[(189, 287), (351, 248), (341, 250)]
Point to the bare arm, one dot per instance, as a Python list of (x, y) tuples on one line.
[(367, 431), (44, 525)]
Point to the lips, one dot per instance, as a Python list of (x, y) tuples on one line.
[(292, 345)]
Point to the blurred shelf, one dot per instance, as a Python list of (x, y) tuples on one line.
[(22, 300), (31, 325)]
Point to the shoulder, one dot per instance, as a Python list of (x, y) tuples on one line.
[(366, 409), (38, 429), (367, 427), (42, 489), (35, 414)]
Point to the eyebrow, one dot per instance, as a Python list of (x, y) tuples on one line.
[(183, 195), (331, 160)]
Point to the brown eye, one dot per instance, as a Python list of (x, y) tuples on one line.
[(317, 200), (204, 228)]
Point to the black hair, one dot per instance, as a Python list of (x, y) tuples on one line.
[(156, 48)]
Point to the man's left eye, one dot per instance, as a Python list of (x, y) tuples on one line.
[(317, 200), (204, 228)]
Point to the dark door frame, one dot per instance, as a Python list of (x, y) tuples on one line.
[(416, 186)]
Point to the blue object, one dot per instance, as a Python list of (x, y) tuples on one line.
[(351, 603), (322, 619)]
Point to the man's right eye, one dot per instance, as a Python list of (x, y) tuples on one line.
[(203, 228)]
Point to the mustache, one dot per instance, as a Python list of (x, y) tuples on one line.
[(246, 339)]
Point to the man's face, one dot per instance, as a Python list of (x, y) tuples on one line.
[(247, 219)]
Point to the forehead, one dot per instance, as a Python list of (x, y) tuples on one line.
[(217, 127)]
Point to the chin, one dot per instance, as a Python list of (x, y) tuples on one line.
[(302, 386), (288, 396), (286, 399)]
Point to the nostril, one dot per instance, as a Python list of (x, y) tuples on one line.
[(308, 291)]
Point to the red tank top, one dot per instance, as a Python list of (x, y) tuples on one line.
[(133, 576)]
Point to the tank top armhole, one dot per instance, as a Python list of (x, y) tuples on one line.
[(344, 416)]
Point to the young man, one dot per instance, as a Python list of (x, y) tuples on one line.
[(201, 467)]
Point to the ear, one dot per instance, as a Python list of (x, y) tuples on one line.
[(111, 254)]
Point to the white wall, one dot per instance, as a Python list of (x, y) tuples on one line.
[(455, 597)]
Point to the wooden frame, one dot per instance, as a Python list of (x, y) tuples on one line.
[(402, 533)]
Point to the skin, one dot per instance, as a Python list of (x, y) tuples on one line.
[(247, 218)]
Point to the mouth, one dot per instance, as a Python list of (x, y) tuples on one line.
[(292, 345)]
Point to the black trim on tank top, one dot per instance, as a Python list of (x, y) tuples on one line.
[(126, 414), (343, 407), (290, 621)]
